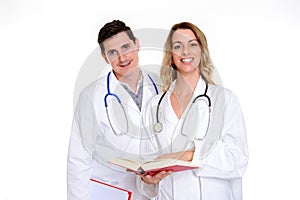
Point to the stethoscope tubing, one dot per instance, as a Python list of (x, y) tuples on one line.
[(119, 100), (116, 96), (158, 125), (108, 91)]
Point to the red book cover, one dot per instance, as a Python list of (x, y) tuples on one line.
[(101, 190)]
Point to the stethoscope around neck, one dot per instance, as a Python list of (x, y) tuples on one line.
[(109, 93), (158, 126)]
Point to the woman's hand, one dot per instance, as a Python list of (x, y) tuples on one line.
[(184, 155)]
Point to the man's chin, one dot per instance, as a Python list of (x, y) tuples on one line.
[(129, 71)]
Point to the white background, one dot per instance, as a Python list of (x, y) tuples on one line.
[(43, 45)]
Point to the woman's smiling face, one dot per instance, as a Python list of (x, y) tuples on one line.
[(186, 51)]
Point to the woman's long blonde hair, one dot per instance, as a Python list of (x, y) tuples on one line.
[(168, 70)]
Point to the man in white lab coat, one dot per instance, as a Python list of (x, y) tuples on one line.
[(107, 118)]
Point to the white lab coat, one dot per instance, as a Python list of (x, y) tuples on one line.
[(222, 156), (92, 142)]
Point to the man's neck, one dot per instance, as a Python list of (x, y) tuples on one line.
[(131, 79)]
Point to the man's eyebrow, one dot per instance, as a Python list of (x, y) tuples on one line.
[(126, 44)]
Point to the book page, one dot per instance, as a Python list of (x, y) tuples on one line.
[(162, 163), (129, 164), (153, 166)]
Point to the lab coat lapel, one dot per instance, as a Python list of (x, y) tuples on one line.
[(200, 88), (149, 89), (183, 142), (217, 96), (117, 88)]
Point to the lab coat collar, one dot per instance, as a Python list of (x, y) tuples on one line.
[(200, 87), (115, 84)]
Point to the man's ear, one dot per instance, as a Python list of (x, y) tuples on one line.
[(105, 58), (137, 44)]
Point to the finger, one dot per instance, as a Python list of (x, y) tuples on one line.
[(159, 176), (154, 179), (165, 174), (149, 179)]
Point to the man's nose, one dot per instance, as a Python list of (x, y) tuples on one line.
[(122, 57)]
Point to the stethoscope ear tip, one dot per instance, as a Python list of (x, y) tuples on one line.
[(158, 127)]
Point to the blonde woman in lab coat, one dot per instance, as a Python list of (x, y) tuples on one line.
[(194, 120)]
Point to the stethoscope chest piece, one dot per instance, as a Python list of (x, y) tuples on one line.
[(158, 127)]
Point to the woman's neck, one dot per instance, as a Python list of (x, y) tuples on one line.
[(186, 84), (183, 92)]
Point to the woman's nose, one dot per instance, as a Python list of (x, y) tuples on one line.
[(185, 50)]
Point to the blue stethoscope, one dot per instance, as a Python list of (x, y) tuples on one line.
[(158, 125), (119, 101)]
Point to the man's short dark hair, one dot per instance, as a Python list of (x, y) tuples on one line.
[(113, 28)]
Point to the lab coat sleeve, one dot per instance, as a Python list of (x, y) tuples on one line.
[(79, 154), (229, 157), (148, 190), (78, 168)]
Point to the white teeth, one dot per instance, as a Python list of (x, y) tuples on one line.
[(125, 64), (187, 60)]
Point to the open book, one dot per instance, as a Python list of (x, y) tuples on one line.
[(153, 166)]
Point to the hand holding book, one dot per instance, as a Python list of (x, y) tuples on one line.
[(156, 178), (167, 162)]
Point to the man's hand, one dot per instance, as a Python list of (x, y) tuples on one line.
[(155, 178)]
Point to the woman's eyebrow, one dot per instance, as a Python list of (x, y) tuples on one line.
[(188, 41), (176, 42), (193, 40)]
